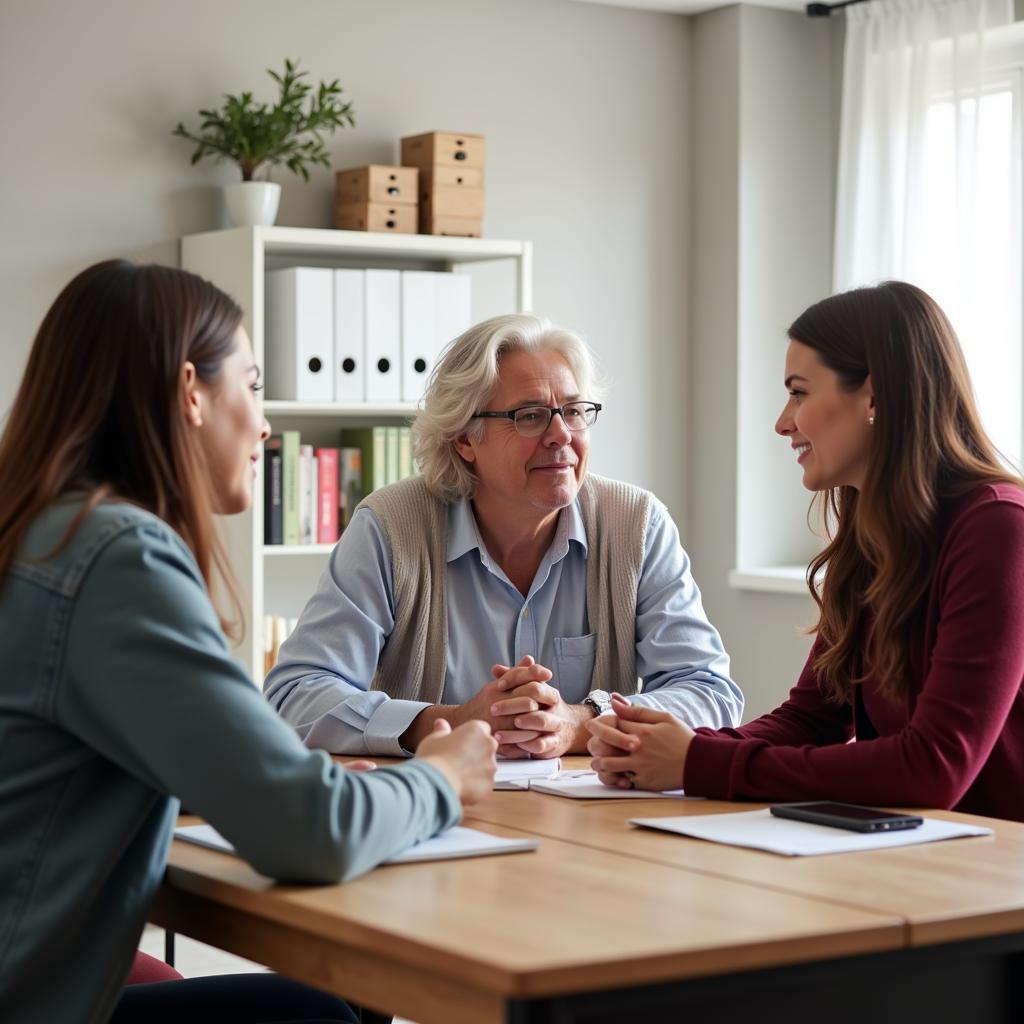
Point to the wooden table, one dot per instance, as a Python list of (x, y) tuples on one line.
[(607, 923)]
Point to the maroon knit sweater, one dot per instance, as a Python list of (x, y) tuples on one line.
[(955, 741)]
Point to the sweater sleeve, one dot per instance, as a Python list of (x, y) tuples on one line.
[(975, 672), (151, 686)]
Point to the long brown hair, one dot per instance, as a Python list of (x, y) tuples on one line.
[(927, 446), (100, 409)]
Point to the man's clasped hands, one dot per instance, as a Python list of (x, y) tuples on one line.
[(633, 747)]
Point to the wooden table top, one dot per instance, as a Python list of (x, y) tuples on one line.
[(563, 918), (957, 889)]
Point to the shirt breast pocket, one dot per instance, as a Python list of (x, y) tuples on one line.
[(574, 666)]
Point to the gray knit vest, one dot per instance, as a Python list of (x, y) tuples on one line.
[(415, 523)]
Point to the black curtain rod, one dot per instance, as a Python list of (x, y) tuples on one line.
[(824, 10)]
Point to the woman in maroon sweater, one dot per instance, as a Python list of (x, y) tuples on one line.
[(919, 649)]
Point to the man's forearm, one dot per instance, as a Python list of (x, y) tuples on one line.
[(423, 724), (580, 715)]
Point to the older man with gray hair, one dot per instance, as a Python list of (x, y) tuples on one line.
[(505, 583)]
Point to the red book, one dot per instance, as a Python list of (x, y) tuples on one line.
[(327, 496)]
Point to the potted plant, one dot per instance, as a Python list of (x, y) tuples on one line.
[(258, 136)]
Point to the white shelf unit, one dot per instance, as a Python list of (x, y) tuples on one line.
[(279, 579)]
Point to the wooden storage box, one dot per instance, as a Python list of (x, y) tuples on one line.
[(394, 219), (452, 202), (443, 149), (445, 176), (462, 227), (376, 183)]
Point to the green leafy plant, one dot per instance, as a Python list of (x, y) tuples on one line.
[(289, 132)]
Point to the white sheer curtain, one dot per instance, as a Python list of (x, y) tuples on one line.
[(929, 177)]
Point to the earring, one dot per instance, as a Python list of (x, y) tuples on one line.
[(871, 421)]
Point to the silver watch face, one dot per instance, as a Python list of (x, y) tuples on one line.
[(600, 701)]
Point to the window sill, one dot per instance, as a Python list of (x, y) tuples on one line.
[(774, 579)]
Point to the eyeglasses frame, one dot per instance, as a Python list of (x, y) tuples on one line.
[(510, 414)]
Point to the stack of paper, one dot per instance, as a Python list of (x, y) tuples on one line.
[(763, 831), (519, 773), (456, 842), (585, 786)]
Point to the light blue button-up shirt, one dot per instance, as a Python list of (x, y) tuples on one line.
[(320, 683)]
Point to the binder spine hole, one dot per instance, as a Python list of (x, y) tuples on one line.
[(348, 365), (420, 365), (315, 366), (383, 365)]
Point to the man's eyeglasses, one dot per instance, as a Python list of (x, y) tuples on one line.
[(533, 420)]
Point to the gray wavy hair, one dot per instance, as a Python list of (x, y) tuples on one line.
[(462, 382)]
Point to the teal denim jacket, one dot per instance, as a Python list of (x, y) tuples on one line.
[(118, 695)]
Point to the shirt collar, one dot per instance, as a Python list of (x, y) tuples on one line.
[(464, 536)]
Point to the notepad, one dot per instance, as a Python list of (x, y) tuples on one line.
[(456, 842), (762, 831), (585, 786), (517, 774)]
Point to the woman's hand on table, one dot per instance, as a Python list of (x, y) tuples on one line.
[(639, 748)]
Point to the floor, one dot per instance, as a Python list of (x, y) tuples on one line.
[(195, 960)]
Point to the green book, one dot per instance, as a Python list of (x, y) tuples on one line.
[(372, 442), (391, 455), (405, 465), (290, 481)]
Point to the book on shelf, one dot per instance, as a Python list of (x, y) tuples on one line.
[(273, 527), (372, 443), (276, 629), (405, 463), (385, 452), (327, 461), (350, 483), (290, 478), (391, 455), (307, 495)]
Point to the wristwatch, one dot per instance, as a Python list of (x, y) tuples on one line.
[(599, 700)]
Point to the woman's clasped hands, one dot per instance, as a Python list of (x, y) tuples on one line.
[(638, 748)]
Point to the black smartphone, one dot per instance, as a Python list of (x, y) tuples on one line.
[(848, 816)]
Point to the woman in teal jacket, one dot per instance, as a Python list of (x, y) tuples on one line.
[(136, 421)]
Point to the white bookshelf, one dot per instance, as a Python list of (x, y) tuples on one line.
[(279, 578)]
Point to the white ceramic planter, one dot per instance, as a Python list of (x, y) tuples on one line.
[(252, 202)]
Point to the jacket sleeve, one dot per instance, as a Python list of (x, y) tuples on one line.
[(975, 673), (150, 685)]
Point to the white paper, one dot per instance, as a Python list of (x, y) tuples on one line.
[(763, 831), (585, 786), (518, 773), (456, 842)]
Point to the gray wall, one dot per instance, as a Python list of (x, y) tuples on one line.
[(585, 111), (591, 154), (761, 191)]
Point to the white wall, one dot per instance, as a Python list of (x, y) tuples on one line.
[(591, 154), (764, 153), (585, 111)]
